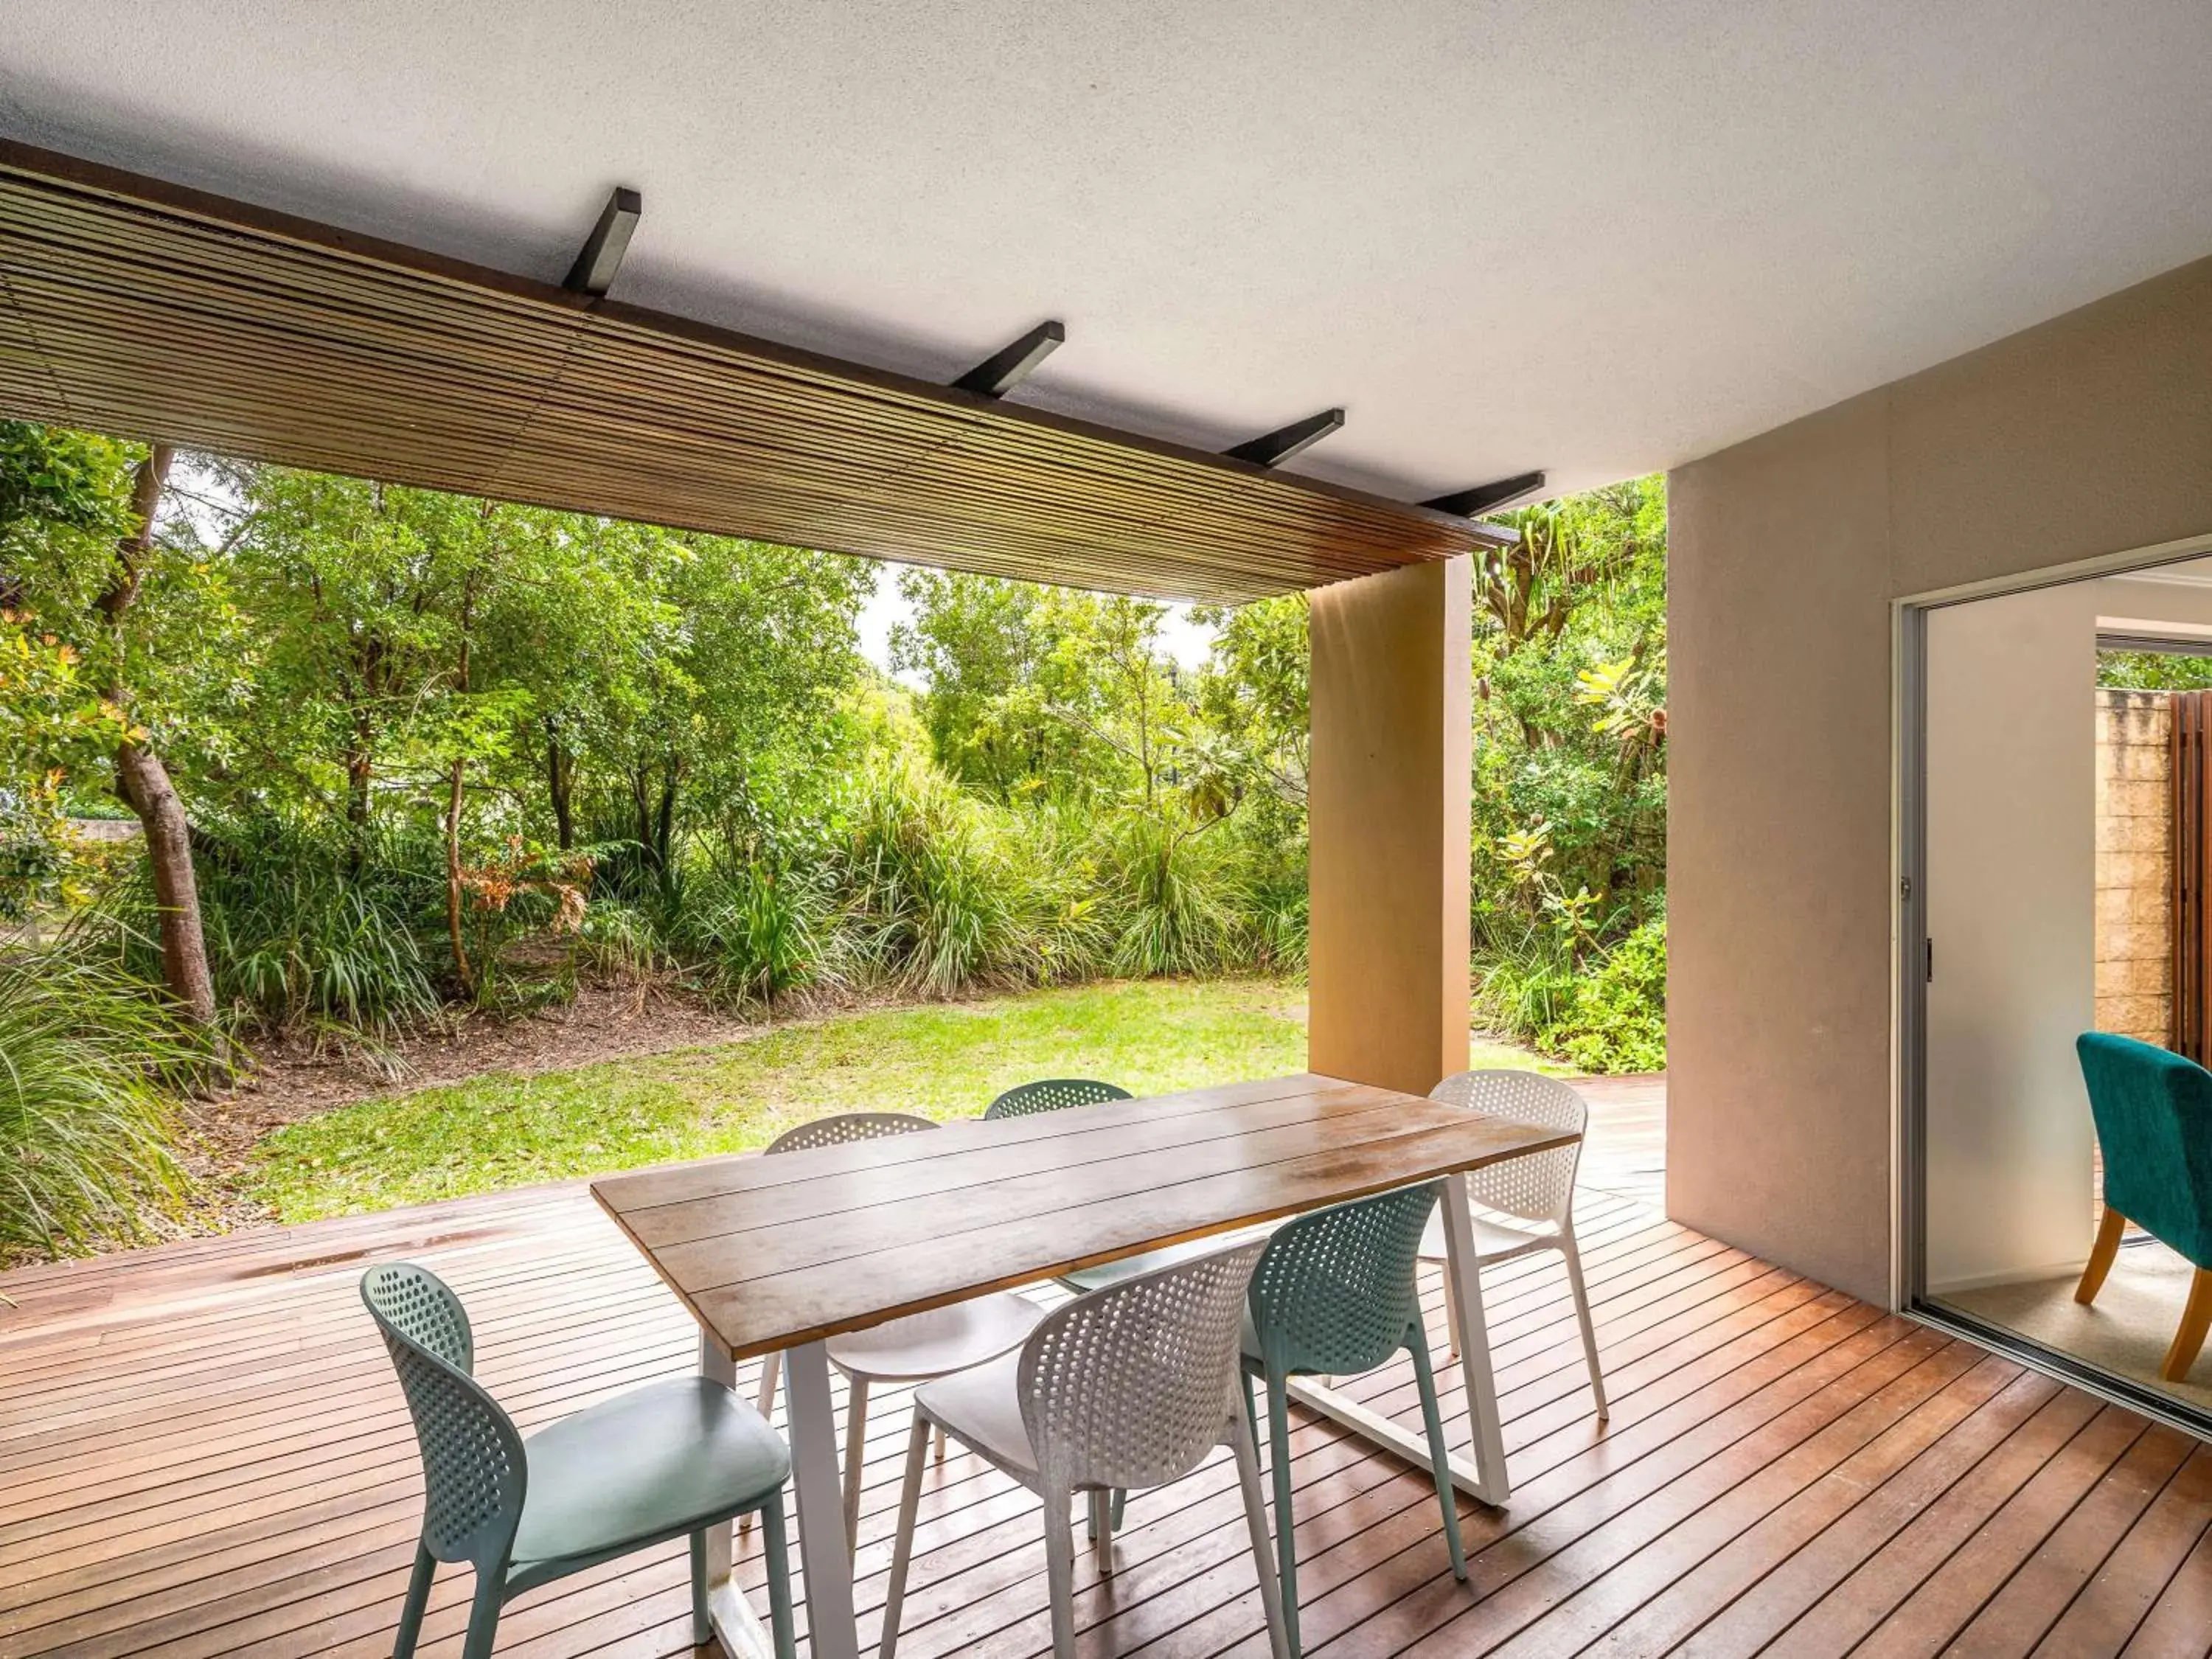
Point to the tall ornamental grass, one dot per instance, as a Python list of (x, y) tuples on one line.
[(87, 1123)]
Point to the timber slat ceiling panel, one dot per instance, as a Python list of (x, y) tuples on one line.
[(135, 307)]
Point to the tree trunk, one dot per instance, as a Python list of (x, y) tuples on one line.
[(665, 822), (640, 796), (453, 877), (561, 782), (459, 780), (143, 782)]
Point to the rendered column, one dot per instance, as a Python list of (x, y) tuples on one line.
[(1388, 796)]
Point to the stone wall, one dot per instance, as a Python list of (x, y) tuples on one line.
[(2135, 865)]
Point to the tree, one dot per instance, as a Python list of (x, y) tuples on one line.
[(1570, 658), (80, 522)]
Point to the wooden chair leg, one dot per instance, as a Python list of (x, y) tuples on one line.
[(2195, 1321), (2101, 1255)]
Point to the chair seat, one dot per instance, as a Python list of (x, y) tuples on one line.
[(1113, 1272), (1496, 1238), (927, 1344), (656, 1462), (983, 1407)]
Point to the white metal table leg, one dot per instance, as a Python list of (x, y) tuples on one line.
[(1484, 1428), (743, 1636), (816, 1476)]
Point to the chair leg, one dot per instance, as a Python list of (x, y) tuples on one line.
[(1060, 1571), (1574, 1255), (1101, 1529), (917, 1448), (778, 1551), (1286, 1546), (940, 1445), (418, 1596), (856, 1455), (2195, 1321), (483, 1616), (702, 1627), (2101, 1255), (1416, 1344), (1246, 1445), (766, 1404)]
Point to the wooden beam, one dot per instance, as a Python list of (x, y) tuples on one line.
[(1279, 446), (1007, 367), (593, 273), (1489, 497)]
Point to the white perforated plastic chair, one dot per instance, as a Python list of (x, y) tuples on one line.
[(1130, 1387), (909, 1350), (1525, 1204)]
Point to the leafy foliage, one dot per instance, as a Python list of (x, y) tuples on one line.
[(86, 1119), (2153, 671), (1570, 776), (435, 751)]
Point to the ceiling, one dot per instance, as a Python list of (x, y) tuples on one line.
[(1592, 238)]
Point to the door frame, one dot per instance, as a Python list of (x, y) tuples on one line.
[(1909, 986)]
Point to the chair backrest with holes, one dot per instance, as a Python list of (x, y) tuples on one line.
[(1130, 1387), (1336, 1291), (1052, 1094), (1540, 1186), (473, 1472), (846, 1127)]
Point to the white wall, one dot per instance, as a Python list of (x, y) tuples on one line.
[(2011, 810)]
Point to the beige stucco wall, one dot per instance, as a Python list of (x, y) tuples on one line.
[(2135, 865), (1387, 795), (2089, 434)]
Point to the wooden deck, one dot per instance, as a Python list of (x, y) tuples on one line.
[(202, 1452)]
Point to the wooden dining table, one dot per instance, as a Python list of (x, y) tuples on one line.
[(781, 1254)]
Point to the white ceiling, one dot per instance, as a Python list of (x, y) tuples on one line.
[(1591, 238)]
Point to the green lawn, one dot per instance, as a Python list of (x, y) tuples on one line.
[(941, 1059)]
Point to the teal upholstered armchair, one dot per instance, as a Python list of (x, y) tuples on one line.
[(2154, 1113)]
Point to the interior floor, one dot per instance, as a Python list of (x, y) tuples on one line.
[(2126, 1331)]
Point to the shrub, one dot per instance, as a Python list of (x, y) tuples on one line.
[(86, 1123), (939, 904), (1616, 1019), (295, 939), (759, 931), (1176, 898)]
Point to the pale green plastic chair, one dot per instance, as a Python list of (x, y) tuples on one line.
[(664, 1461), (1052, 1094), (1337, 1294)]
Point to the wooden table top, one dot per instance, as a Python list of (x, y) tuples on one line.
[(771, 1252)]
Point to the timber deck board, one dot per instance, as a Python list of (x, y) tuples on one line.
[(202, 1452)]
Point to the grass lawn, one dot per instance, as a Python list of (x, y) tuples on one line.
[(943, 1059)]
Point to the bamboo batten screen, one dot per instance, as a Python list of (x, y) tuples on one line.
[(2191, 783), (135, 307)]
